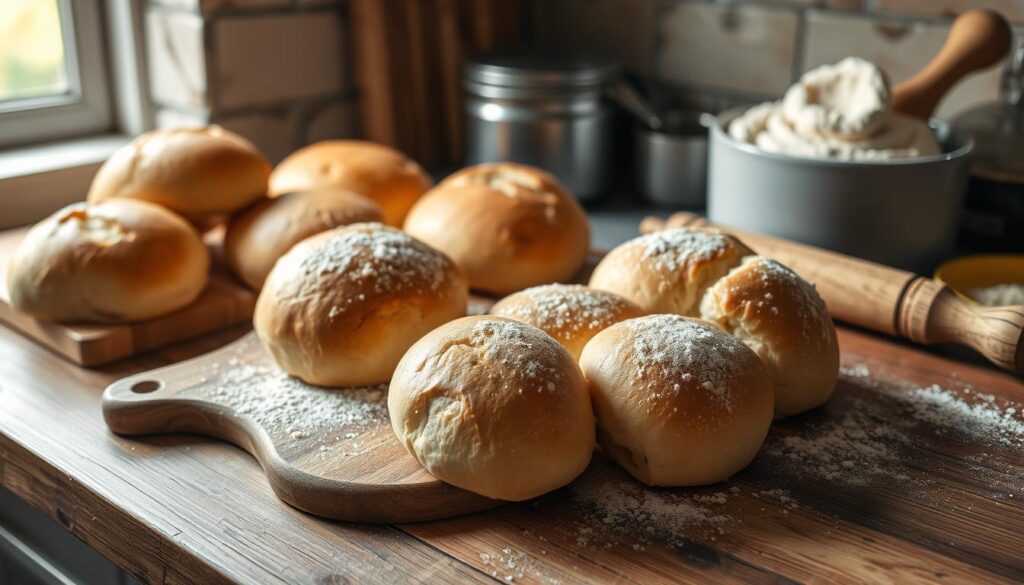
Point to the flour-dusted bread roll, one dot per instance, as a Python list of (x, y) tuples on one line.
[(493, 406), (508, 226), (341, 307), (260, 235), (678, 401), (782, 318), (375, 171), (669, 270), (120, 260), (571, 313), (197, 172)]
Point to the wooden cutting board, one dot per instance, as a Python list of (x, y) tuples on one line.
[(225, 302), (328, 452)]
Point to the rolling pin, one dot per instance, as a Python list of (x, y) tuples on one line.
[(886, 299), (977, 40)]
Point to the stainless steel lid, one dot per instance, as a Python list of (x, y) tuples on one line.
[(540, 71)]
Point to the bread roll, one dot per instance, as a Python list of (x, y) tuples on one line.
[(197, 172), (260, 235), (341, 307), (493, 406), (372, 170), (669, 270), (508, 226), (678, 401), (571, 313), (781, 317), (120, 260)]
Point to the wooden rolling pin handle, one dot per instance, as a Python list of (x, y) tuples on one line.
[(933, 313), (977, 39), (887, 299)]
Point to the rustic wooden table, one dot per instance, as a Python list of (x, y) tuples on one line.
[(895, 480)]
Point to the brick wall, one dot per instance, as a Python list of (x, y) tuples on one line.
[(717, 54), (275, 71)]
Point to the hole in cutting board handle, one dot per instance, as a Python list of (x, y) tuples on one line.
[(146, 386)]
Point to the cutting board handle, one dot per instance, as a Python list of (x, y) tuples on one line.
[(887, 299), (977, 40)]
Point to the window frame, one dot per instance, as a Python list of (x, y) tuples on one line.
[(86, 107)]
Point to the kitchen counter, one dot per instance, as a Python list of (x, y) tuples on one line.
[(836, 495)]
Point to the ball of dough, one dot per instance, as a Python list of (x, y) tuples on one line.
[(341, 307), (197, 172), (376, 172), (508, 226), (678, 401), (260, 235), (781, 317), (493, 406), (669, 270), (120, 260), (571, 313)]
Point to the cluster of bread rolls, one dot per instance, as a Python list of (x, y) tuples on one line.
[(674, 359)]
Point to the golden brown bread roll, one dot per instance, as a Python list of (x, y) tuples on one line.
[(669, 270), (783, 319), (493, 406), (571, 313), (197, 172), (341, 307), (678, 401), (507, 226), (260, 235), (120, 260), (372, 170)]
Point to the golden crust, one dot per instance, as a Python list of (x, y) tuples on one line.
[(120, 260), (377, 172), (261, 234), (782, 318), (571, 313), (507, 226), (493, 406), (197, 172), (678, 401), (669, 270), (341, 307)]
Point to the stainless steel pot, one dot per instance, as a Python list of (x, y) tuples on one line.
[(671, 165), (543, 110), (903, 212)]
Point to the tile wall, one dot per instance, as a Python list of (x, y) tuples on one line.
[(715, 54), (275, 71)]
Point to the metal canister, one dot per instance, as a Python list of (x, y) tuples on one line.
[(544, 110)]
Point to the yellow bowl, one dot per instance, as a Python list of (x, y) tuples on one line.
[(970, 272)]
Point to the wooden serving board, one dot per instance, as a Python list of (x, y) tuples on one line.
[(225, 302)]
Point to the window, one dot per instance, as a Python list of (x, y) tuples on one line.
[(53, 74)]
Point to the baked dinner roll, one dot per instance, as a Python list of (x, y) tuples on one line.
[(198, 172), (493, 406), (341, 307), (571, 313), (508, 226), (678, 401), (372, 170), (120, 260), (669, 270), (260, 235), (781, 317)]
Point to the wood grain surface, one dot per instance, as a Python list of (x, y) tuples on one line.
[(316, 458), (943, 505), (224, 303)]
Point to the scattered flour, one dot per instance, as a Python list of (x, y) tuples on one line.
[(566, 307), (999, 295), (510, 564), (284, 405), (675, 248)]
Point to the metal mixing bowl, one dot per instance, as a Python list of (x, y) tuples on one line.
[(903, 212)]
